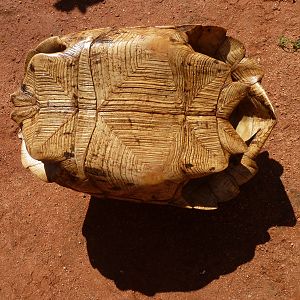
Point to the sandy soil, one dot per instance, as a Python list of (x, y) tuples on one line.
[(60, 244)]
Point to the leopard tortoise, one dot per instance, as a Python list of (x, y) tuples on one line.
[(170, 115)]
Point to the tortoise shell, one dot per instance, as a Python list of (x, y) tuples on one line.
[(144, 114)]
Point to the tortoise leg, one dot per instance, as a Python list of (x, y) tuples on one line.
[(198, 194), (255, 125), (225, 185), (254, 128), (220, 187)]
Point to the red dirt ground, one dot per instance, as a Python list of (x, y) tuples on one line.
[(60, 244)]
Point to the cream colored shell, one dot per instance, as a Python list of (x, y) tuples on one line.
[(141, 113)]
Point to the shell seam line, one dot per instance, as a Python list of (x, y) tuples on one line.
[(92, 131)]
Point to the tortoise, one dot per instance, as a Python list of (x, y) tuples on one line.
[(169, 114)]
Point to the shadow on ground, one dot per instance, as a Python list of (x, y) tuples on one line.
[(150, 249), (68, 5)]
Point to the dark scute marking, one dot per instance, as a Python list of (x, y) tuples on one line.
[(106, 40), (68, 154), (23, 88), (188, 165), (31, 68), (96, 172), (183, 170)]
